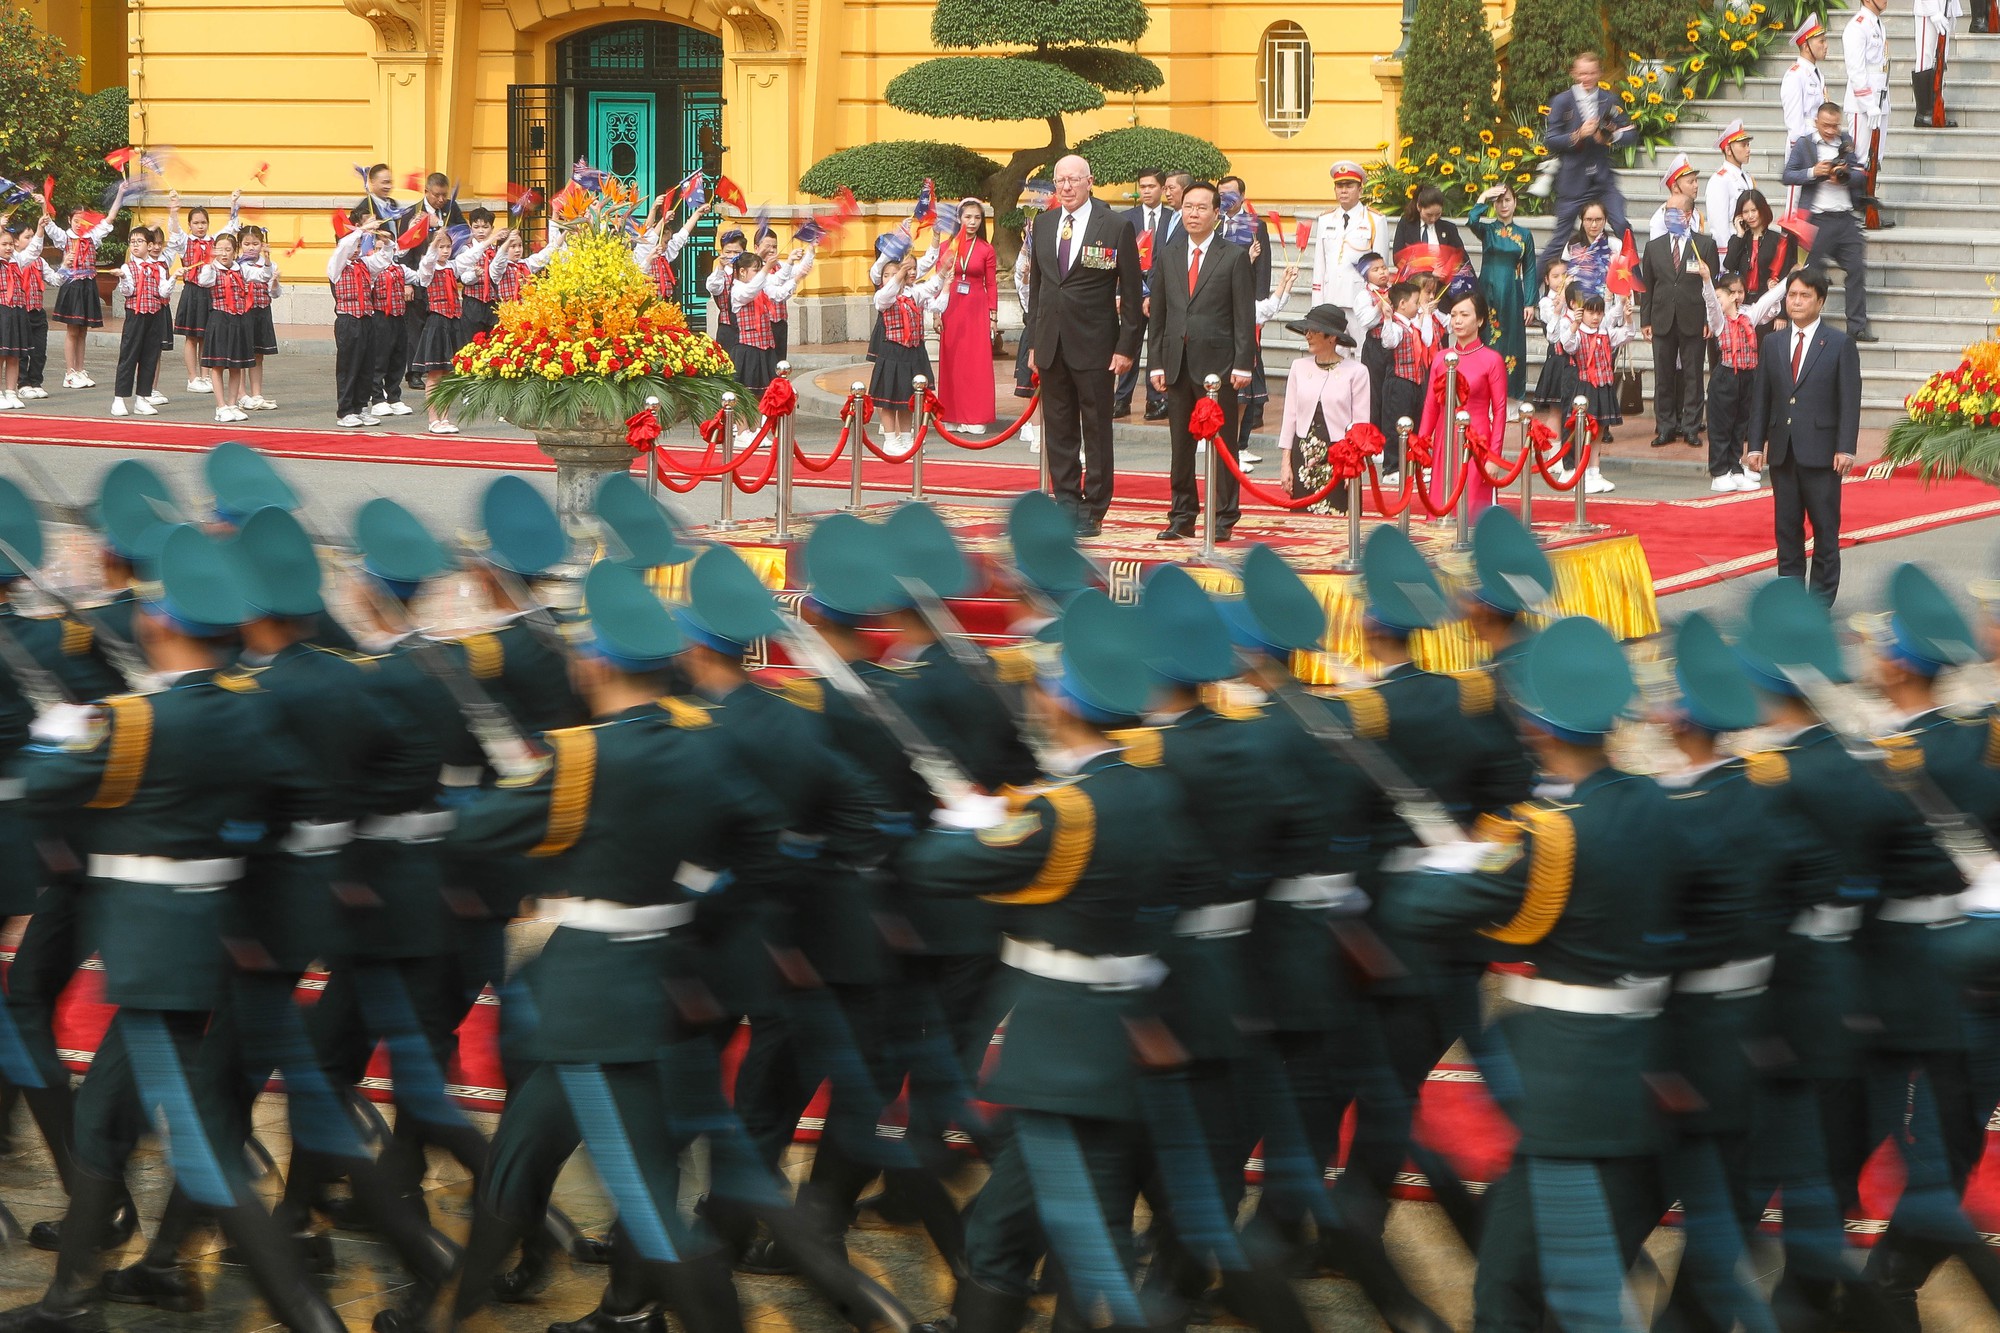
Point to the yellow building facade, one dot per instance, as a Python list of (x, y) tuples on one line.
[(284, 98)]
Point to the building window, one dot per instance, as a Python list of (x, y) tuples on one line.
[(1285, 74)]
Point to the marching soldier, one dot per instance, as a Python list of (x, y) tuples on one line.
[(1511, 581), (160, 865), (1581, 887), (1865, 47), (243, 481)]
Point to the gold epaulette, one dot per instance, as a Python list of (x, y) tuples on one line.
[(1369, 711), (1221, 699), (1013, 665), (684, 714), (131, 746), (77, 638), (1902, 752), (1475, 692), (1490, 827), (1551, 868), (575, 755), (1070, 843), (1144, 747), (806, 692), (1767, 768), (1993, 741), (484, 655), (237, 680)]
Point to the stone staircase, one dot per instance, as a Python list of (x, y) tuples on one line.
[(1931, 288)]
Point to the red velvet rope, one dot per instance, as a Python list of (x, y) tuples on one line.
[(991, 440), (1360, 443), (839, 448)]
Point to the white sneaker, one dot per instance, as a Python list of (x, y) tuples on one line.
[(1246, 457), (744, 438), (974, 431), (224, 414), (198, 386), (262, 404), (143, 408), (370, 419), (1391, 480), (84, 381), (117, 407), (156, 398), (1750, 480), (1727, 482), (1559, 473), (349, 422), (10, 401), (399, 408), (1031, 436), (1595, 483), (69, 379), (34, 391), (443, 428), (246, 402)]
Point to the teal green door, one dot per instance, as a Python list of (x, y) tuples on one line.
[(622, 142)]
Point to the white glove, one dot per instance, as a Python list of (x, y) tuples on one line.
[(67, 724), (1983, 898), (972, 812), (1455, 858)]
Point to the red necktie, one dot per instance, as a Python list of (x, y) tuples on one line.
[(1798, 355), (1194, 269)]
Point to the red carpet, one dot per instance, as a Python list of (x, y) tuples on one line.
[(1689, 543)]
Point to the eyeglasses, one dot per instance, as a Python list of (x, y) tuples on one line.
[(1072, 180)]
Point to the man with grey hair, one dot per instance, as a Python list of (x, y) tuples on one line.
[(1083, 332)]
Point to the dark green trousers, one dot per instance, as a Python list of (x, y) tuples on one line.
[(1559, 1236)]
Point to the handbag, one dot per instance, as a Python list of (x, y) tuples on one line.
[(1631, 383)]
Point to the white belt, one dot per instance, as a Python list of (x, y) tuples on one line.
[(415, 826), (13, 789), (1826, 922), (1102, 971), (1743, 975), (165, 870), (1929, 911), (612, 918), (460, 775), (1626, 999), (1217, 921), (307, 839), (1306, 891)]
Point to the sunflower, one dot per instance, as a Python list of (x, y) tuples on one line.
[(1408, 140), (1471, 188), (1672, 118), (1628, 98), (1486, 136), (1447, 169), (1455, 150), (1524, 132), (1493, 152), (1696, 64), (1525, 177), (1654, 99), (1652, 76), (1738, 46), (1431, 161)]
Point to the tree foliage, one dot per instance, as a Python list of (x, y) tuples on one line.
[(1448, 79), (970, 24), (1118, 156), (897, 170), (985, 88), (1652, 29), (38, 88), (1547, 35), (1111, 69)]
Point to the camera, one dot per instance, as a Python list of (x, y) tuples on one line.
[(1841, 173)]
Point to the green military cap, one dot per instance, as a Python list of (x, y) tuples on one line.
[(198, 589), (1403, 594), (630, 627), (1186, 639), (1513, 571), (20, 529), (1926, 631), (1277, 614), (396, 547), (1788, 630), (523, 534), (243, 481), (1043, 537), (135, 508), (277, 562), (851, 569), (728, 609), (924, 549), (1101, 674), (1572, 681), (638, 530), (1715, 693)]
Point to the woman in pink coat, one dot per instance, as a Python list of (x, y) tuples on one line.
[(965, 343), (1326, 393), (1484, 397)]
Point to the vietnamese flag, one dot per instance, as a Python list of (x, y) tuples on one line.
[(1145, 252), (729, 192), (414, 235), (341, 224), (1304, 234), (119, 158), (1623, 280)]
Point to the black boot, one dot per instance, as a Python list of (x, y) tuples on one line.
[(704, 1295), (66, 1306), (167, 1287), (1264, 1298), (121, 1222), (1921, 89), (934, 1208), (978, 1308), (525, 1280), (275, 1266), (487, 1249), (630, 1303), (859, 1299)]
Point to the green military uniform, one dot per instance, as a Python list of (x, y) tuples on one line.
[(170, 827), (1512, 579), (1082, 863), (242, 481), (1582, 887)]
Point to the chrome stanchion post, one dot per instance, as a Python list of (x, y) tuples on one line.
[(653, 455), (1412, 477), (1211, 388), (1527, 468), (1355, 491), (1461, 513), (920, 406), (857, 444), (726, 506), (1444, 454), (785, 433), (1581, 524)]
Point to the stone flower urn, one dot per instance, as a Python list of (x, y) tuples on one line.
[(584, 454)]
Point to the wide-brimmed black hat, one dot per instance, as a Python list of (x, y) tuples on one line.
[(1325, 319)]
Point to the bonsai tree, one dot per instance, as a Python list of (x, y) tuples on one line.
[(1547, 33), (1448, 82), (1069, 60)]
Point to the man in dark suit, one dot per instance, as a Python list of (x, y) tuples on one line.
[(1204, 323), (1805, 414), (1673, 312), (1085, 319), (1256, 237), (1585, 121), (1833, 187), (1153, 216)]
